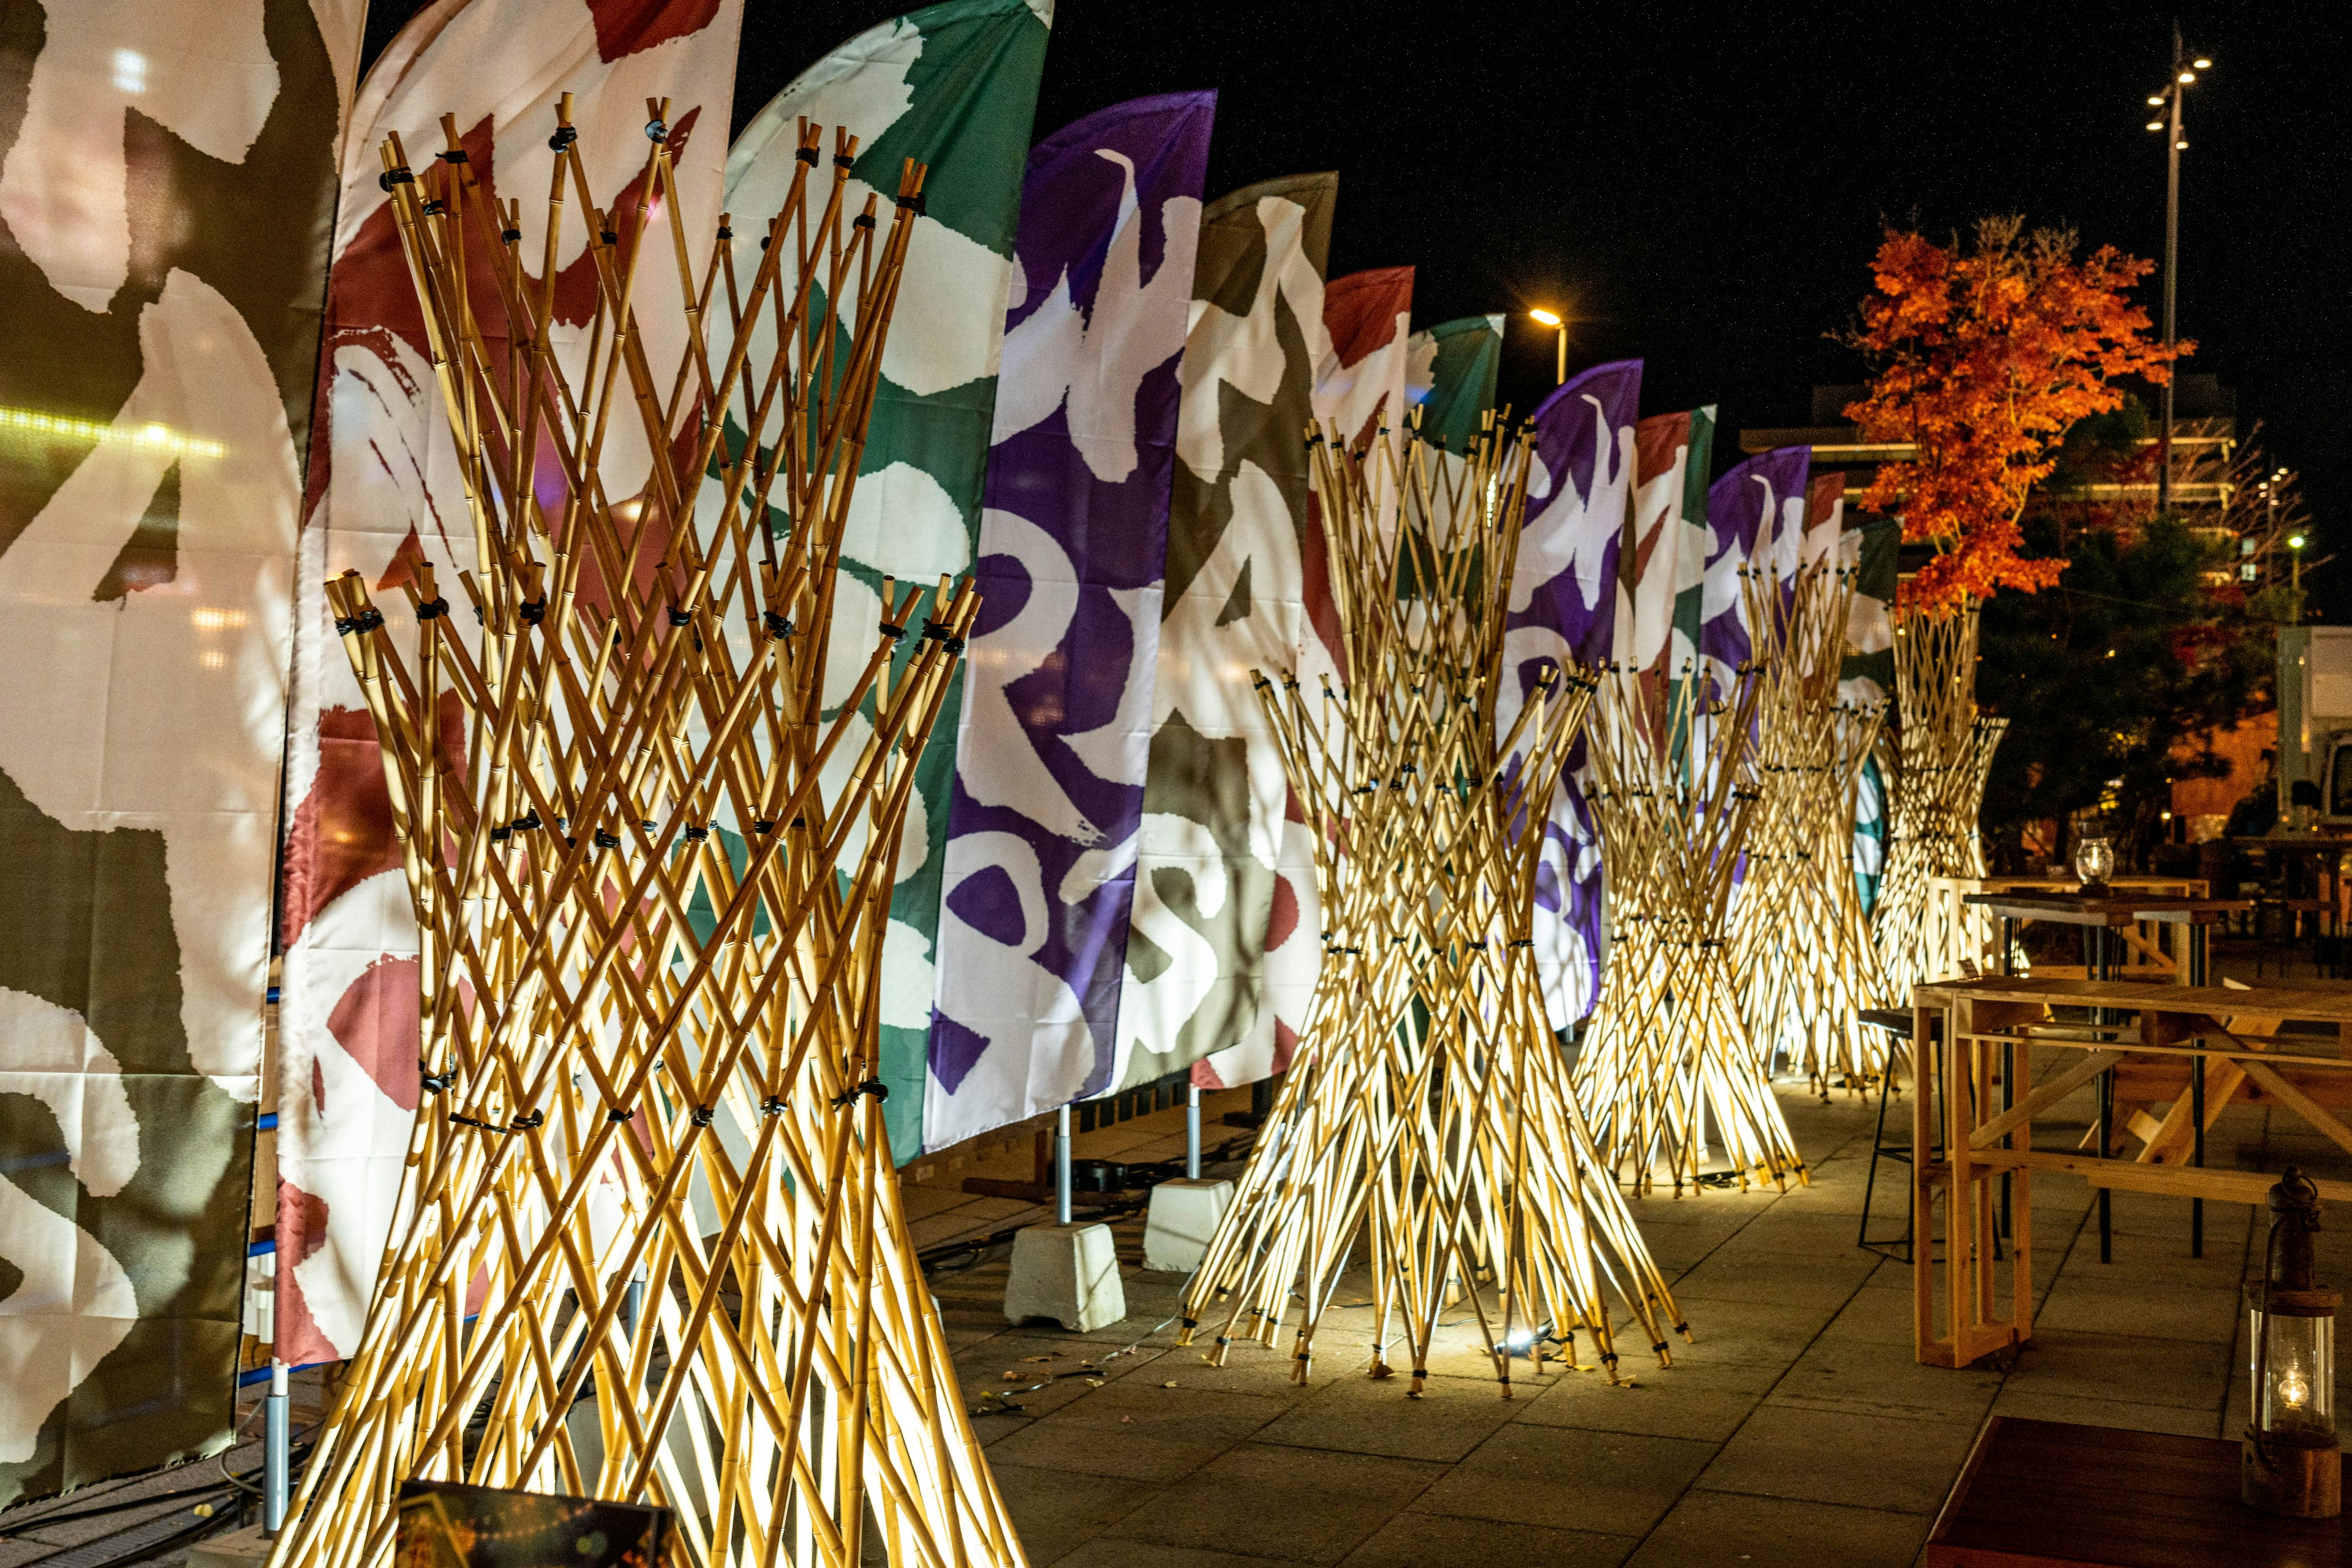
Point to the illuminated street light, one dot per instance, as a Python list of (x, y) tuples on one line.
[(2184, 76), (1559, 324)]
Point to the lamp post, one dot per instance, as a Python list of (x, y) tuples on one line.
[(2295, 572), (1560, 325), (2184, 75)]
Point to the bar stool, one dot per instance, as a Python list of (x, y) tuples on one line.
[(1897, 1025)]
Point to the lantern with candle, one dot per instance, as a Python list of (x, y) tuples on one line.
[(2293, 1463)]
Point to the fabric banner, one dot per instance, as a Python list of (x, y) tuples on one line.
[(1564, 605), (1669, 559), (1056, 729), (1757, 515), (1360, 382), (953, 86), (167, 181), (1216, 948), (384, 495), (1872, 545), (1450, 374)]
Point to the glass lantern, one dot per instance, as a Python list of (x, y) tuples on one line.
[(2095, 859), (2293, 1463)]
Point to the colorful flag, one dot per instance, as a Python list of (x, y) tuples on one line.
[(1669, 557), (1217, 948), (1871, 547), (1757, 514), (953, 86), (1040, 857), (1564, 600), (384, 495), (167, 181), (1450, 374), (1360, 382)]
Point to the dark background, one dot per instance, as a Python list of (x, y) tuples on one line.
[(1703, 189)]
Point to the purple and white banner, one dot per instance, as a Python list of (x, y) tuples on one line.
[(1755, 516), (1564, 605), (1057, 726)]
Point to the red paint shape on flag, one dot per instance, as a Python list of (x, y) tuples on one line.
[(1655, 441), (1286, 1045), (1822, 497), (1204, 1076), (402, 568), (625, 27), (1315, 585), (1362, 310), (1284, 919), (375, 1022), (342, 831), (302, 1231)]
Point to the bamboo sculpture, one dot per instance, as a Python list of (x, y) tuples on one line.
[(651, 860), (1668, 1063), (1944, 749), (1426, 1113), (1800, 941)]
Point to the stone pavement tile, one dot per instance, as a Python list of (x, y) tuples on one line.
[(2033, 1406), (1797, 1232), (2130, 1302), (1252, 1368), (1857, 1377), (1874, 1316), (1054, 1512), (1432, 1541), (1111, 1552), (1693, 1398), (1769, 1333), (1138, 1429), (1267, 1500), (1612, 1483), (1361, 1415), (1718, 1530), (2158, 1217), (2179, 1372), (1155, 1309), (1836, 1457), (1765, 1279), (980, 1369)]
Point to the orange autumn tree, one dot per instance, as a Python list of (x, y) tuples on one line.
[(1984, 358)]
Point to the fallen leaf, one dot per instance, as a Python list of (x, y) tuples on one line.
[(1036, 1358), (1127, 1420), (1011, 1377), (1167, 1385), (1095, 1383)]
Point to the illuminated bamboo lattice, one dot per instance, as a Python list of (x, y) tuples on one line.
[(1944, 751), (1426, 1116), (1801, 940), (1668, 1068), (650, 819)]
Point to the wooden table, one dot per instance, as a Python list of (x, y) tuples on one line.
[(1970, 937), (2048, 1494), (2111, 921), (1966, 1143)]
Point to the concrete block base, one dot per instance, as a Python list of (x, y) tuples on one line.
[(1183, 1216), (1066, 1272), (244, 1548)]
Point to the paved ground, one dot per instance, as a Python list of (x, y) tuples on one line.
[(1798, 1430)]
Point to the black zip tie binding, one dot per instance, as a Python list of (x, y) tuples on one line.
[(771, 1106), (843, 161), (656, 132), (392, 177), (936, 631), (863, 220), (469, 1121), (528, 821), (609, 237), (913, 204), (607, 840), (697, 835), (615, 1114), (702, 1115), (873, 1086), (895, 633), (510, 235), (454, 155), (532, 611), (726, 232), (807, 155), (763, 824), (434, 1083), (778, 624), (536, 1119), (367, 620), (432, 609), (434, 208), (566, 135), (679, 617), (501, 835)]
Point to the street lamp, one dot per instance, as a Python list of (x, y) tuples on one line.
[(1550, 318), (2184, 75)]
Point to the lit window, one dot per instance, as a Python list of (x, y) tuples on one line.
[(129, 71)]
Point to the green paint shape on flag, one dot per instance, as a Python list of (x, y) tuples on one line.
[(1696, 477), (1870, 627), (1450, 374), (953, 86)]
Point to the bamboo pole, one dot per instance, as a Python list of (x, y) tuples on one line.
[(650, 839)]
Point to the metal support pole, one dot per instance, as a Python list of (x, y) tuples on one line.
[(2171, 271), (1061, 1166), (2198, 936), (2099, 939), (1193, 1132), (276, 1484)]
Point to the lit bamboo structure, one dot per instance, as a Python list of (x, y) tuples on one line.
[(1426, 1116), (1668, 1070), (1944, 751), (1801, 939), (651, 858)]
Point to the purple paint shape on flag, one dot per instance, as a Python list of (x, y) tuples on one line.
[(1564, 604), (1769, 488), (1055, 729)]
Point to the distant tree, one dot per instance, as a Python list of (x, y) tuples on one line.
[(1983, 358)]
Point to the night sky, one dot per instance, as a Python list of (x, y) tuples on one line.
[(1703, 189)]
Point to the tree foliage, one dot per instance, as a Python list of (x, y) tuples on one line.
[(1983, 358)]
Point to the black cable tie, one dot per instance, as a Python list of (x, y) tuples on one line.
[(434, 1083), (537, 1118), (454, 155), (1479, 946), (432, 609), (656, 132), (501, 835), (913, 204), (895, 633), (566, 135), (872, 1085), (697, 835), (533, 611), (763, 241), (843, 161), (863, 220), (433, 208), (771, 1106), (1658, 1349), (510, 235), (807, 155), (615, 1114), (1523, 941), (702, 1115), (528, 821), (679, 617), (367, 620), (726, 232), (608, 237), (763, 824), (469, 1121), (778, 624), (607, 840), (391, 177)]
